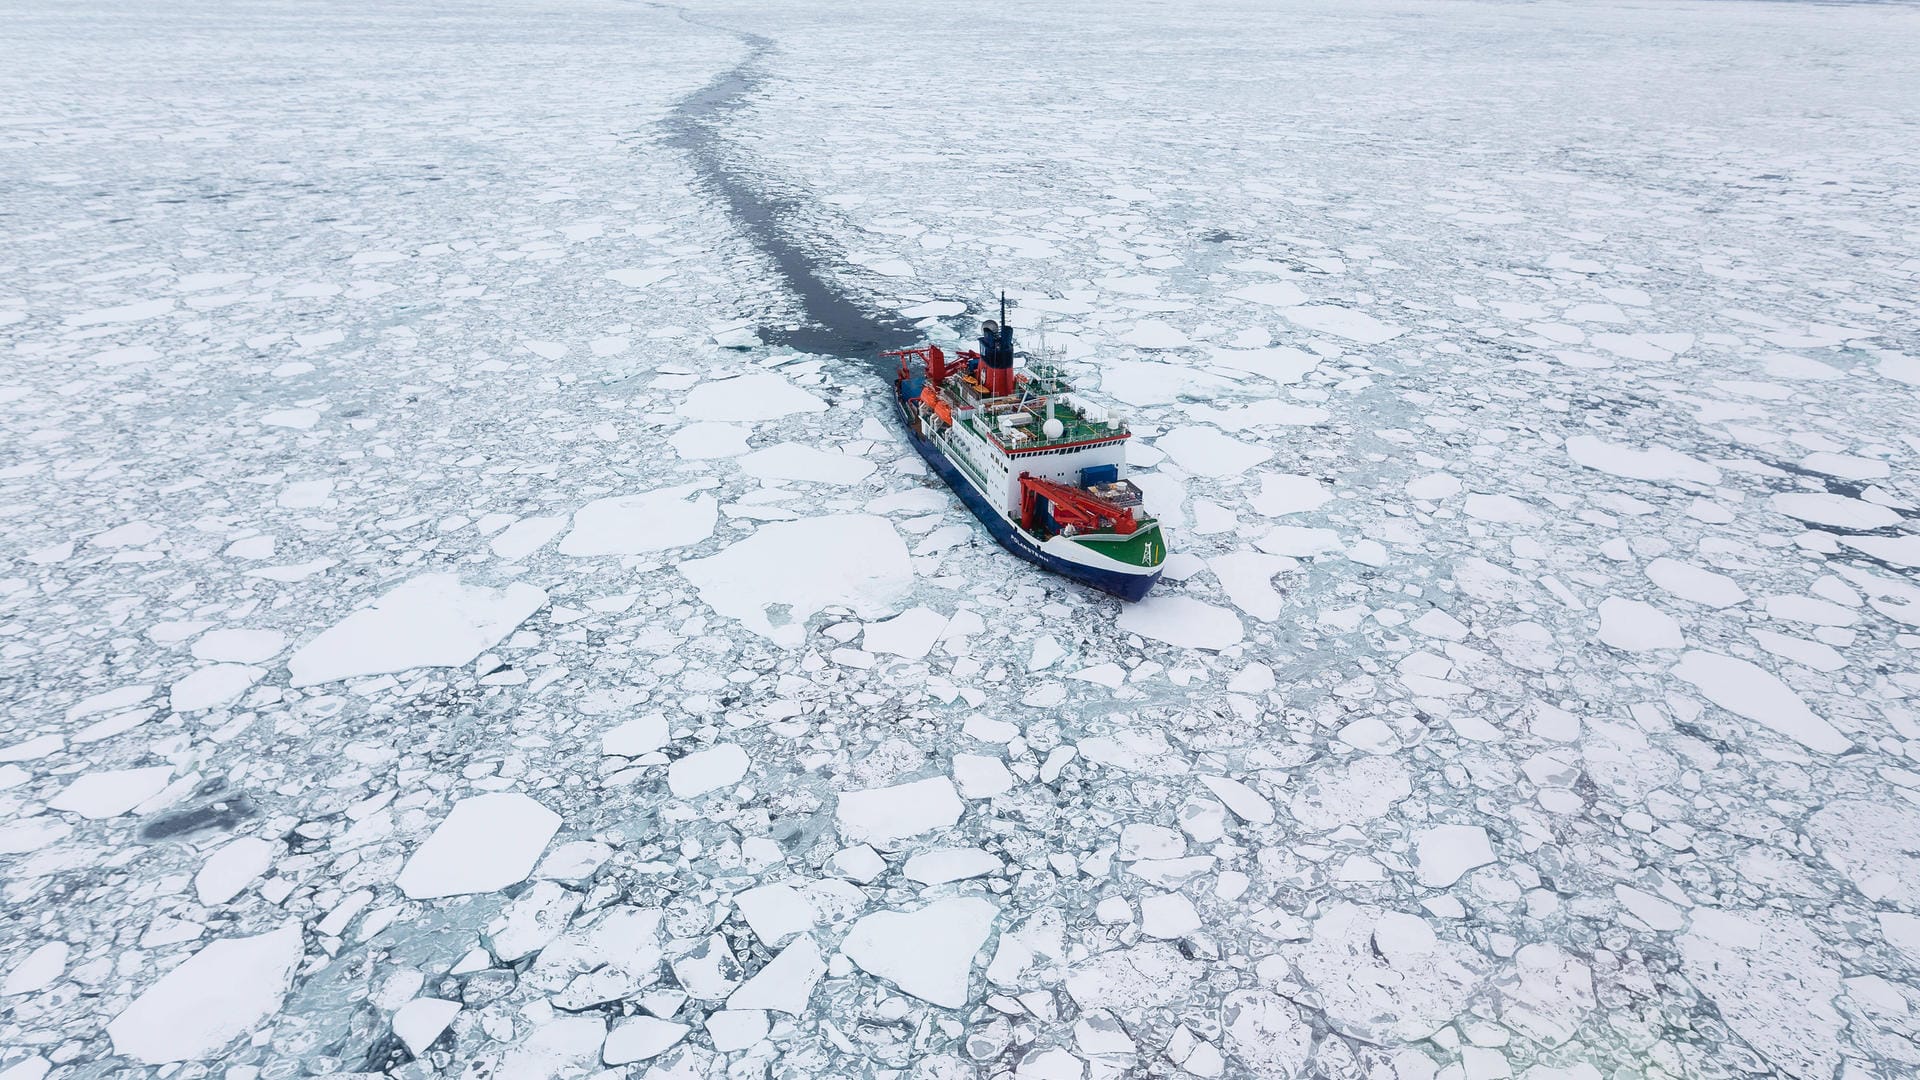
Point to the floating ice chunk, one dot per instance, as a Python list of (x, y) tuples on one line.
[(699, 442), (1897, 550), (1901, 930), (1167, 915), (559, 1049), (1446, 852), (928, 953), (1789, 366), (1635, 626), (606, 960), (486, 842), (573, 861), (232, 867), (1649, 909), (1874, 844), (131, 354), (979, 776), (132, 534), (239, 646), (1274, 293), (108, 701), (1548, 994), (1653, 463), (209, 687), (888, 814), (707, 770), (1846, 466), (146, 309), (855, 560), (1281, 364), (530, 921), (217, 995), (640, 735), (1269, 1034), (1433, 487), (776, 913), (1143, 382), (912, 633), (640, 1038), (1282, 494), (1753, 692), (1350, 794), (1154, 334), (298, 419), (1205, 451), (1247, 804), (1247, 577), (305, 494), (1182, 621), (37, 970), (1503, 509), (1690, 582), (526, 536), (1813, 654), (1343, 322), (1766, 972), (1837, 511), (1384, 976), (794, 461), (641, 277), (430, 621), (1148, 975), (112, 792), (420, 1021), (1435, 623), (736, 1029), (760, 395), (941, 865), (657, 520)]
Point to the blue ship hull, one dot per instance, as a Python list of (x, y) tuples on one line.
[(1124, 586)]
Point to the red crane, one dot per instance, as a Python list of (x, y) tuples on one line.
[(1072, 507)]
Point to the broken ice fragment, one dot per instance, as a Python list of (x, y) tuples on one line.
[(883, 815), (216, 996), (430, 621), (486, 842), (928, 953)]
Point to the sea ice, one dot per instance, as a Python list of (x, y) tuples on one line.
[(1636, 626), (217, 995), (1653, 463), (888, 814), (1343, 322), (1753, 692), (927, 952), (1182, 621), (112, 792), (486, 842), (706, 770), (429, 621), (854, 560), (794, 461), (1445, 853), (658, 520), (760, 395), (1834, 510)]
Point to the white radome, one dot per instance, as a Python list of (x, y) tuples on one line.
[(1053, 428)]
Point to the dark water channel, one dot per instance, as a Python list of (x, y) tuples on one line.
[(832, 320)]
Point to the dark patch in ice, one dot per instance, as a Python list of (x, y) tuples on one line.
[(218, 810), (834, 321)]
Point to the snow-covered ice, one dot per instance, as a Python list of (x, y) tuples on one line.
[(486, 842), (433, 620), (470, 610)]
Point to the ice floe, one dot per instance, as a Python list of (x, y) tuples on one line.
[(429, 621)]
